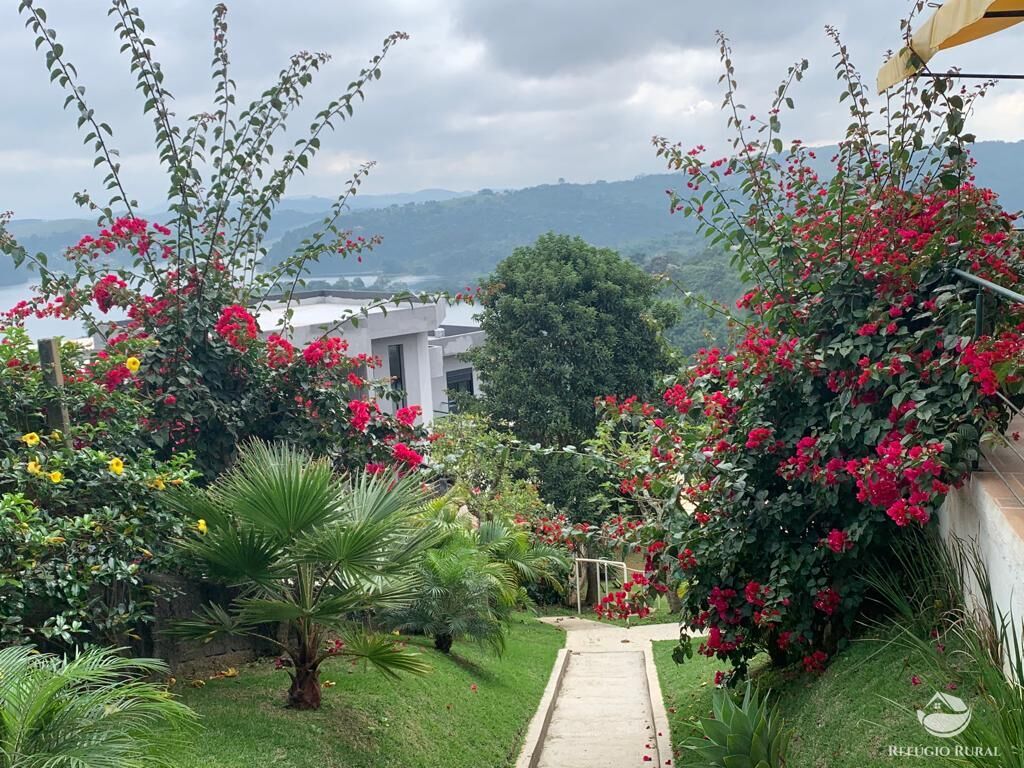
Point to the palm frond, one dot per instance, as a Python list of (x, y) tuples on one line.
[(93, 711), (279, 490), (384, 654), (209, 622)]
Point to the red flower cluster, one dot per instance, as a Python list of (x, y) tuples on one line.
[(408, 414), (361, 411), (328, 352), (838, 541), (406, 455), (280, 351), (757, 437), (815, 662), (236, 326), (827, 601), (626, 602), (676, 397), (102, 292)]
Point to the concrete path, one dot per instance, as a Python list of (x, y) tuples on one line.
[(603, 705)]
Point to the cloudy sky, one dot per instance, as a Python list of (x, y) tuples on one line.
[(486, 93)]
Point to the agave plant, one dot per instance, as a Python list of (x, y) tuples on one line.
[(744, 735), (93, 711), (312, 550)]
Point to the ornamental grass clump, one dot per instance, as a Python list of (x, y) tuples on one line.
[(855, 393)]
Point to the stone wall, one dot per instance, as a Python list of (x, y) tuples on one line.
[(180, 600)]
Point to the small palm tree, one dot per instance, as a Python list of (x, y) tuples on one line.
[(93, 711), (312, 550), (530, 562), (464, 595)]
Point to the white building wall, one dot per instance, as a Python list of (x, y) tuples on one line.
[(985, 513), (427, 358), (416, 374)]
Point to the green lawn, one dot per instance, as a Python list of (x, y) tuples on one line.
[(845, 718), (368, 721)]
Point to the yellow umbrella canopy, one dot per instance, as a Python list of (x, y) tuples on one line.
[(956, 22)]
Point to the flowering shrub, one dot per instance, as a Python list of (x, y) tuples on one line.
[(192, 291), (854, 395), (99, 395), (80, 530)]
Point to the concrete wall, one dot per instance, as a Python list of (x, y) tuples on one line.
[(987, 513), (416, 374)]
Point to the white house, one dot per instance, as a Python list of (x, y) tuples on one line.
[(420, 352)]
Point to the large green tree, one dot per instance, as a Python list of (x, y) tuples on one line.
[(567, 322)]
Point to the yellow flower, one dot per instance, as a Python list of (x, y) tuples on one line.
[(55, 476), (31, 439), (157, 483), (116, 466), (34, 468), (201, 526), (56, 435), (177, 481), (132, 364)]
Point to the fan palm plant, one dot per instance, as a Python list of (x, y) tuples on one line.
[(464, 594), (528, 562), (93, 711), (312, 550)]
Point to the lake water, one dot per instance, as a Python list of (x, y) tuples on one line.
[(460, 314)]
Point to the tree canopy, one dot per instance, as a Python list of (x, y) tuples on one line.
[(567, 322)]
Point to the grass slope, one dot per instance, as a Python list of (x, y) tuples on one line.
[(367, 720), (846, 718)]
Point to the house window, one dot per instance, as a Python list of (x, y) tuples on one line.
[(396, 369), (460, 380)]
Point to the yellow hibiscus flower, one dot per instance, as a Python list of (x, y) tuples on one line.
[(132, 364), (115, 465), (31, 439), (201, 526), (157, 483), (55, 476), (34, 468)]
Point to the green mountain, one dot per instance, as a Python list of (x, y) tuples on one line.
[(463, 238), (457, 237)]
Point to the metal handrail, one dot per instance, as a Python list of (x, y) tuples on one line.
[(600, 561), (984, 286)]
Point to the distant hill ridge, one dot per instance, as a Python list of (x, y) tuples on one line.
[(459, 235)]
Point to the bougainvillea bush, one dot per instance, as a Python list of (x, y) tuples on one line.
[(855, 393), (187, 291)]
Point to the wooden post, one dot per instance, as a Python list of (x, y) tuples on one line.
[(49, 361)]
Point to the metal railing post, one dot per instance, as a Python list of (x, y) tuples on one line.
[(576, 571), (979, 313)]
